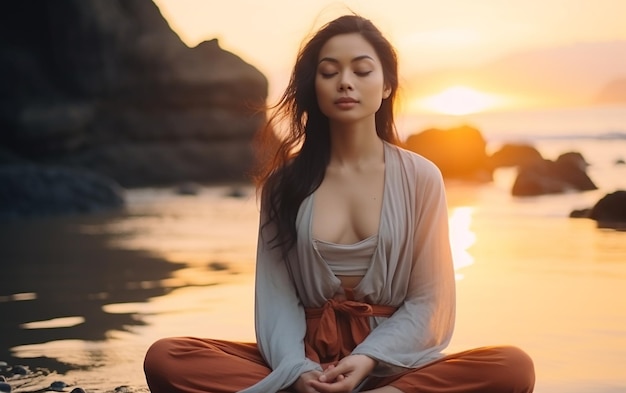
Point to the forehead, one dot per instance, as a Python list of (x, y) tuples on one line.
[(347, 47)]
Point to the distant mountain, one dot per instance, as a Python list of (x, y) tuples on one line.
[(573, 74)]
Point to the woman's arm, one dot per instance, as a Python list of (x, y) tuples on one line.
[(279, 316)]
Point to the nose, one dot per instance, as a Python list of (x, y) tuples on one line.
[(345, 82)]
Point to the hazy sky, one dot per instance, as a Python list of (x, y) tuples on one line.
[(427, 34)]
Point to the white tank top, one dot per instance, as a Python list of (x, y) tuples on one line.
[(347, 259)]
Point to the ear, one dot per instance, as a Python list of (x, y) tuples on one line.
[(386, 92)]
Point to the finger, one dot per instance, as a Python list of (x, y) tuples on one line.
[(327, 379), (331, 373), (333, 387)]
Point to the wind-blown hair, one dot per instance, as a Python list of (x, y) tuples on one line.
[(298, 159)]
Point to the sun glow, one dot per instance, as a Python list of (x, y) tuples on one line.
[(459, 100)]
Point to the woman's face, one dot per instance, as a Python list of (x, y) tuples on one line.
[(349, 82)]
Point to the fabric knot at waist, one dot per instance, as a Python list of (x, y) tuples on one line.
[(351, 308), (334, 329)]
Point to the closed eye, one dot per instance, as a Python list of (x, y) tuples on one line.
[(328, 75), (363, 73)]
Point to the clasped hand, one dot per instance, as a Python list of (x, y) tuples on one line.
[(341, 378)]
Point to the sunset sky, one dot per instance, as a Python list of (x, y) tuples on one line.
[(428, 35)]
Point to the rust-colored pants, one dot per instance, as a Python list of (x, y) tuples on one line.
[(198, 365)]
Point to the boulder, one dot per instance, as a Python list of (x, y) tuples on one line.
[(567, 173), (580, 213), (512, 154), (34, 191), (610, 210), (107, 85), (459, 152), (573, 159)]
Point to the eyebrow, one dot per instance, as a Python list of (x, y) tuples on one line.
[(358, 58)]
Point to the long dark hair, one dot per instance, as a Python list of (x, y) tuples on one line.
[(298, 161)]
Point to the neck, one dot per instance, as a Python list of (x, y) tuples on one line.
[(355, 145)]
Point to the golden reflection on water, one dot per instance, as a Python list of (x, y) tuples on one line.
[(54, 323), (461, 238), (549, 284), (18, 297)]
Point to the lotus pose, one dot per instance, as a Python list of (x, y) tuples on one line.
[(355, 285)]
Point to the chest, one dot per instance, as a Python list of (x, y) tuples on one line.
[(347, 207)]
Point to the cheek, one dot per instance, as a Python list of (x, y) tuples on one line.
[(374, 94), (379, 84), (374, 91), (321, 86), (323, 94)]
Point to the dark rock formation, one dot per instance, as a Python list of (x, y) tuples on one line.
[(573, 159), (32, 191), (610, 209), (512, 154), (580, 213), (458, 152), (608, 212), (188, 188), (106, 85), (567, 173)]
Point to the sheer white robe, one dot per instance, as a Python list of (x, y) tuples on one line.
[(411, 269)]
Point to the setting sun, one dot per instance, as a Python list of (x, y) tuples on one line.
[(459, 100)]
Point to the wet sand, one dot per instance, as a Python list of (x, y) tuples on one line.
[(57, 283)]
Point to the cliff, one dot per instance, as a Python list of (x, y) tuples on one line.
[(107, 86)]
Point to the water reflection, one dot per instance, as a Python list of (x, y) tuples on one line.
[(54, 323), (206, 230), (57, 282), (85, 296), (461, 238)]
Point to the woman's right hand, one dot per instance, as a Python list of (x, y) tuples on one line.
[(302, 384)]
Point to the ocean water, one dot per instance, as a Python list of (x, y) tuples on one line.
[(86, 296)]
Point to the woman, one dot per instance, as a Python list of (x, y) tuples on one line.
[(354, 278)]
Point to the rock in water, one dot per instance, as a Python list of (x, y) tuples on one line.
[(459, 152), (5, 387), (19, 370), (610, 210), (31, 191), (58, 386), (539, 177)]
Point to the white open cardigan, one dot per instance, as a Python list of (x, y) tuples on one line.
[(411, 269)]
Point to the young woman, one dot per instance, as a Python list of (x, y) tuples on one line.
[(354, 278)]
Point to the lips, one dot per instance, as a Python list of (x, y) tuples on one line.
[(346, 100)]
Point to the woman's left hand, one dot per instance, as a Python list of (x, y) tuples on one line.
[(345, 376)]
